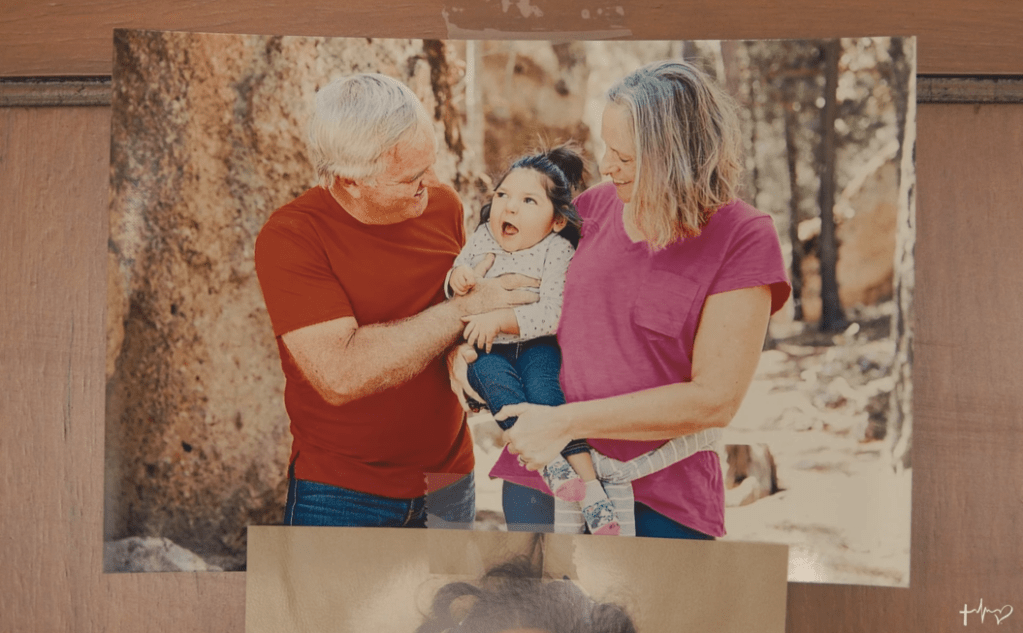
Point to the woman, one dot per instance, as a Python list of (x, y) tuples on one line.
[(666, 303)]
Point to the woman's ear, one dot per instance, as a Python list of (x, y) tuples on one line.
[(560, 222)]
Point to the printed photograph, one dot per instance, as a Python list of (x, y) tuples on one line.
[(654, 289), (428, 581)]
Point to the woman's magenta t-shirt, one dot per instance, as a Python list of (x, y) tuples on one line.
[(629, 321)]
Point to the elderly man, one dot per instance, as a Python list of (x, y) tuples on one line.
[(352, 273)]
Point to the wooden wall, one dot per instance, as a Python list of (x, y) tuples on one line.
[(966, 543)]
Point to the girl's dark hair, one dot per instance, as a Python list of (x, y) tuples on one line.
[(565, 172), (514, 595)]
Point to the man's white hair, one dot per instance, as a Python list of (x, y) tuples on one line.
[(356, 120)]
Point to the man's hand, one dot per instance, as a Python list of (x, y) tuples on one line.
[(462, 280), (458, 359), (505, 291)]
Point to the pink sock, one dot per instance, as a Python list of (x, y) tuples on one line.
[(572, 490)]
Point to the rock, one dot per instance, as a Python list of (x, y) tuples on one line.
[(489, 521), (486, 434), (750, 475), (150, 553), (877, 408)]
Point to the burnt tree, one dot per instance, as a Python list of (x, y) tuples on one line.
[(900, 422), (832, 319)]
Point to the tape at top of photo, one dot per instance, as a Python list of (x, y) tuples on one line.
[(468, 555), (518, 19)]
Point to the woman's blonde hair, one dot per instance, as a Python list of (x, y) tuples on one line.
[(688, 149)]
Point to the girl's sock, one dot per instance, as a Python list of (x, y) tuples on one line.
[(563, 481), (598, 511)]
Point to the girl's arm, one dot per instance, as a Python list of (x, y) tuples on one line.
[(725, 355)]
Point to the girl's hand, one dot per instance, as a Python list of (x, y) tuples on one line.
[(458, 373), (480, 329), (462, 280), (539, 434)]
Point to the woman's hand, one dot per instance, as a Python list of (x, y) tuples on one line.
[(458, 359), (539, 434)]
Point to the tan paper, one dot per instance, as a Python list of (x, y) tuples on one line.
[(360, 579)]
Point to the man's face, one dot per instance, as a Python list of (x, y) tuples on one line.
[(399, 193)]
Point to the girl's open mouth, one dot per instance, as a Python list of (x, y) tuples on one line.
[(509, 229)]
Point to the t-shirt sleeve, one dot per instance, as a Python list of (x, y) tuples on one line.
[(299, 287), (541, 318), (754, 259)]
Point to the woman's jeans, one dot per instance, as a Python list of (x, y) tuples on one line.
[(313, 503), (529, 510)]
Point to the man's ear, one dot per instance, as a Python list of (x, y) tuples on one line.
[(560, 222), (351, 188)]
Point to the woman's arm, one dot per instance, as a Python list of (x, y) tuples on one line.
[(725, 355)]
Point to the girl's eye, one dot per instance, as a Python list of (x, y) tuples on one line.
[(533, 200), (500, 194)]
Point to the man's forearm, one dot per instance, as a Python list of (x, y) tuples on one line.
[(379, 356), (345, 361)]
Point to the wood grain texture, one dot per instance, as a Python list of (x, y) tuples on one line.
[(53, 214), (53, 184), (967, 402), (966, 545), (74, 38), (57, 91)]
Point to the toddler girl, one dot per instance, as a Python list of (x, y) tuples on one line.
[(532, 227)]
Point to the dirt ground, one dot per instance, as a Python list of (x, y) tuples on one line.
[(819, 403)]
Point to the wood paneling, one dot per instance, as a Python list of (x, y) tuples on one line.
[(966, 545), (74, 38), (54, 165), (53, 230)]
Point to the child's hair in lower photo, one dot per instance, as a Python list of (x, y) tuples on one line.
[(565, 174), (514, 595)]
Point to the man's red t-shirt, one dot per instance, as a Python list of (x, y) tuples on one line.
[(317, 263)]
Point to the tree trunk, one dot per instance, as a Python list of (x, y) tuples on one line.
[(900, 419), (796, 268), (832, 319)]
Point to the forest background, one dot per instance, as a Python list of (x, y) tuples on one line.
[(208, 140)]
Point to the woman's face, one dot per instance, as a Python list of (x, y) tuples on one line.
[(619, 160), (521, 214)]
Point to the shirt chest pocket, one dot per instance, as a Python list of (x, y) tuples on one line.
[(664, 302)]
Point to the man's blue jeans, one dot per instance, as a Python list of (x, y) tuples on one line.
[(313, 503)]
